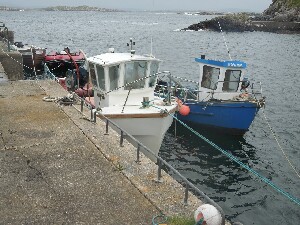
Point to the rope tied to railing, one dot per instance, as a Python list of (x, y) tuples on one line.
[(277, 141), (233, 158)]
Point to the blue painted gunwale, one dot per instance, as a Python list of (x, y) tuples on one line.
[(226, 64)]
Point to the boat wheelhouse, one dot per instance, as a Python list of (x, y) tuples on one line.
[(224, 98), (124, 86)]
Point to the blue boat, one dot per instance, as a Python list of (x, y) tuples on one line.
[(223, 99)]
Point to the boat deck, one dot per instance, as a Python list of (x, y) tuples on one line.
[(58, 167)]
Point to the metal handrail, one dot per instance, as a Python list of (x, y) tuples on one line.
[(160, 161)]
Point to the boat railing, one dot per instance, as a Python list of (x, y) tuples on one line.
[(174, 87), (256, 90), (161, 163), (186, 93)]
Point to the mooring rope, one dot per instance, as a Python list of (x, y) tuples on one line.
[(31, 68), (184, 79), (276, 139), (135, 81), (233, 158), (224, 40)]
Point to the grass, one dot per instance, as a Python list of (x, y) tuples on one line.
[(294, 3), (178, 220)]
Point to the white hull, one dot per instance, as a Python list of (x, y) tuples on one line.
[(124, 93), (148, 131)]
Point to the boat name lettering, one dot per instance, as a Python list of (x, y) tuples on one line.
[(235, 64)]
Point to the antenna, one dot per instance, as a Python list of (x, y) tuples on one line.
[(131, 44), (151, 47)]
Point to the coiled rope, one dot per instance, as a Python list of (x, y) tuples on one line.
[(233, 158), (158, 219)]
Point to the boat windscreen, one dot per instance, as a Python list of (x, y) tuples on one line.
[(93, 74), (114, 75), (101, 77), (210, 77), (134, 71), (232, 80), (153, 70)]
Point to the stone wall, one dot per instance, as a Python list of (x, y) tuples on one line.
[(12, 63)]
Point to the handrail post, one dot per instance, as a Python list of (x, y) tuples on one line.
[(159, 170), (81, 108), (95, 116), (122, 139), (106, 127), (92, 114), (138, 154), (186, 194)]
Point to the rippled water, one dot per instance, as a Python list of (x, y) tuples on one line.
[(273, 59)]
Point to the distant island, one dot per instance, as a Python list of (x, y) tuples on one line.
[(61, 8), (79, 8), (282, 16)]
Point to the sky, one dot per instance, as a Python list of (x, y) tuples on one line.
[(191, 5)]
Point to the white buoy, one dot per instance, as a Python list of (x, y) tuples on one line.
[(209, 214)]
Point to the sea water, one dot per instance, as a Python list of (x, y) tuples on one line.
[(272, 59)]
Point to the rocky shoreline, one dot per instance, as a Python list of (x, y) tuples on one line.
[(282, 16), (238, 23)]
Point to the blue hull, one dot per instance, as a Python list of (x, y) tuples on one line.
[(235, 116)]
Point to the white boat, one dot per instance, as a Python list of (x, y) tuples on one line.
[(124, 86)]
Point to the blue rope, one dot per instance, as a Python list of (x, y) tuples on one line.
[(163, 220), (266, 180), (230, 156)]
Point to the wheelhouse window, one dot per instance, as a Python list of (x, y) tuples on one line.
[(134, 71), (232, 80), (93, 74), (153, 70), (114, 77), (210, 77), (101, 77)]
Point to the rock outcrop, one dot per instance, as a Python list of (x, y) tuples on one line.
[(232, 22), (283, 11)]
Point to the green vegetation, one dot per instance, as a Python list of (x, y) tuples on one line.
[(119, 167), (178, 220), (242, 17), (294, 3)]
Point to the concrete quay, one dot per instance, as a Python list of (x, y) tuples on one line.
[(57, 167)]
